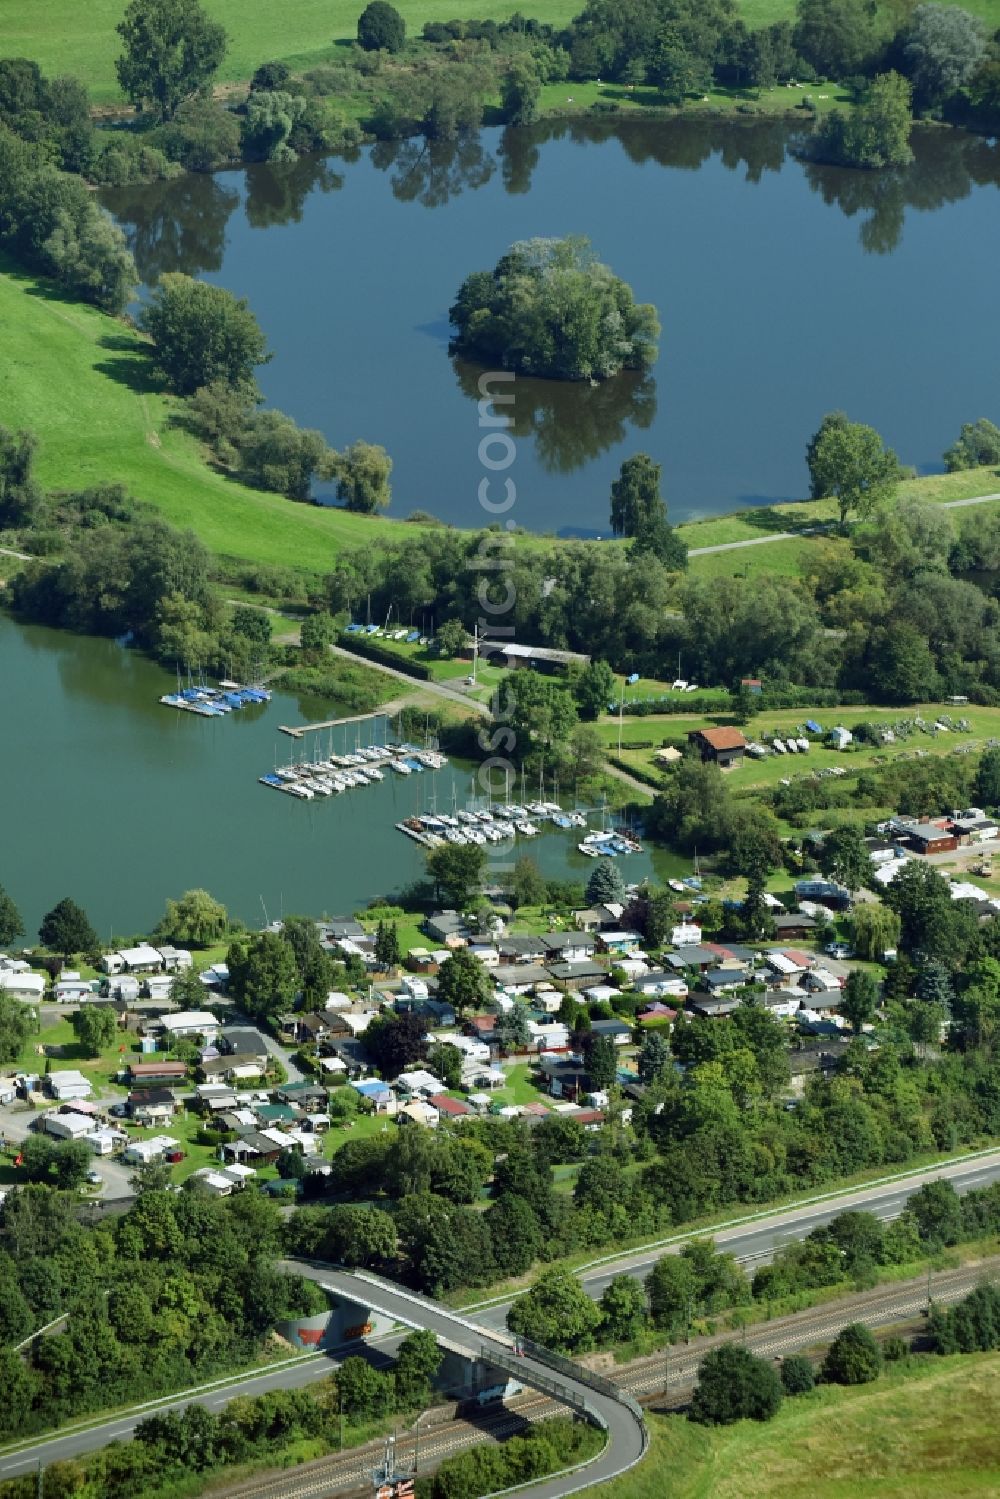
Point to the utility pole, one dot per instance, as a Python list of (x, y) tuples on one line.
[(341, 1420), (475, 651)]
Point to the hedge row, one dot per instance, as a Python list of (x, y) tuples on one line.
[(363, 645)]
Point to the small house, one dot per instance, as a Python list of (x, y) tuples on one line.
[(686, 934), (839, 737), (794, 924), (303, 1095), (418, 1111), (662, 984), (187, 1023), (244, 1041), (377, 1094), (564, 1078), (124, 987), (618, 1030), (447, 927), (70, 988), (576, 975), (152, 1106), (520, 947), (158, 985), (569, 947), (726, 746), (930, 838), (450, 1108), (175, 959)]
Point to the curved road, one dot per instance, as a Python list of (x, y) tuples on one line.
[(592, 1396), (750, 1242)]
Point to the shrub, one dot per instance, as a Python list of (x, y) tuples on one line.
[(797, 1375), (854, 1357), (734, 1385)]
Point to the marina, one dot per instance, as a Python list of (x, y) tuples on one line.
[(214, 702), (195, 794), (501, 822)]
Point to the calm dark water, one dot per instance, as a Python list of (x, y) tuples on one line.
[(784, 291), (119, 802)]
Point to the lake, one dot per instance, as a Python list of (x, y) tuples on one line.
[(120, 802), (785, 290)]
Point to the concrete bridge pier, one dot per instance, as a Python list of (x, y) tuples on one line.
[(347, 1321)]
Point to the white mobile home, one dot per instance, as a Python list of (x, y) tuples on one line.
[(27, 986)]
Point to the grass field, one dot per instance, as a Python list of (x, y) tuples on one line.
[(925, 1430), (755, 775), (64, 36)]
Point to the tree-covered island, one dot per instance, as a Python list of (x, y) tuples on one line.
[(550, 308)]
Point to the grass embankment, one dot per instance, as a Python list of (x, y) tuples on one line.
[(82, 381), (65, 37), (929, 1427)]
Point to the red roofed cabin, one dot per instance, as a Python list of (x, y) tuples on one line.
[(725, 746)]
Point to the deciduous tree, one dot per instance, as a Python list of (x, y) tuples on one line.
[(381, 28), (464, 982), (96, 1027), (202, 333), (18, 1021), (172, 49), (849, 462), (457, 870), (195, 917), (556, 1312)]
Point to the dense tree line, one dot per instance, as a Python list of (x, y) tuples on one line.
[(178, 1289), (172, 1446), (827, 630)]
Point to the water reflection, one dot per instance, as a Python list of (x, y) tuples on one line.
[(571, 421), (947, 164), (178, 225), (181, 225), (433, 172), (277, 191), (685, 144)]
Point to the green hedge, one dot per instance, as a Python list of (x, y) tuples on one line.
[(374, 650), (648, 777)]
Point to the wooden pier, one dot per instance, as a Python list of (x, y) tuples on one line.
[(331, 723)]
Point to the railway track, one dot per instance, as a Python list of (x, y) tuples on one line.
[(673, 1372)]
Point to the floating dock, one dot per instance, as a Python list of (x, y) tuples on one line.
[(299, 731)]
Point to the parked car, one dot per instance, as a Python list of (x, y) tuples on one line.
[(838, 950)]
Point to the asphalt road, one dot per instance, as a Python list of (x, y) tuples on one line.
[(751, 1243)]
